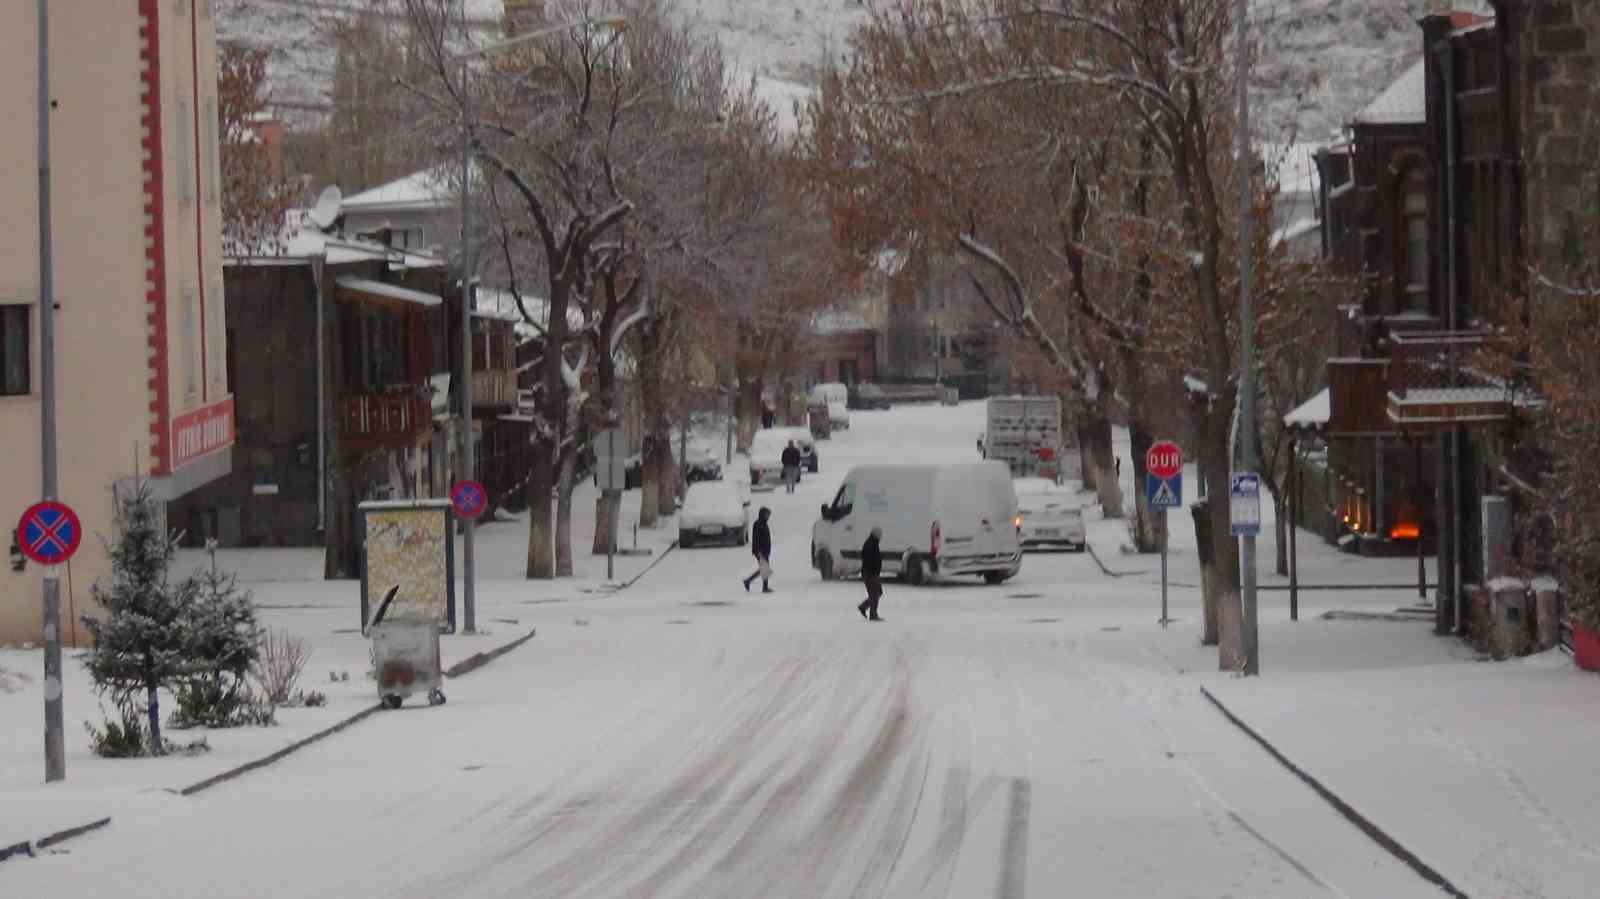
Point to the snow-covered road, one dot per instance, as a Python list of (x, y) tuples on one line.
[(686, 739)]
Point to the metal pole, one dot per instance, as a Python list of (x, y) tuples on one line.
[(1422, 564), (611, 543), (55, 756), (1164, 532), (1294, 530), (469, 603), (1247, 362), (733, 416)]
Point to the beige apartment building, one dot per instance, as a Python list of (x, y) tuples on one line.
[(141, 343)]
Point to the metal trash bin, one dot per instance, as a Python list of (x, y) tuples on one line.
[(405, 658)]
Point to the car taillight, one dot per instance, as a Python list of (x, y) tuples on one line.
[(933, 541), (1018, 523)]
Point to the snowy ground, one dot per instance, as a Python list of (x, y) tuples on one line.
[(1045, 737)]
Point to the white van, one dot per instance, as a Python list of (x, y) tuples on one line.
[(937, 520), (836, 397)]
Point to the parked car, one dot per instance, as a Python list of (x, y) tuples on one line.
[(937, 520), (837, 398), (869, 396), (1053, 525), (714, 512), (702, 466), (766, 454)]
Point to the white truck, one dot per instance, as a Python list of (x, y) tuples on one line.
[(1024, 432)]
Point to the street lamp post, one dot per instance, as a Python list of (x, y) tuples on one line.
[(469, 602), (1247, 373)]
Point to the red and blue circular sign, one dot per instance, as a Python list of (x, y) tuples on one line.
[(49, 533), (468, 499)]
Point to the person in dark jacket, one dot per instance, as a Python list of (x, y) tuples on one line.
[(761, 547), (872, 575), (791, 466)]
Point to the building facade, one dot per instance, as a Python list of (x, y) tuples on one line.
[(140, 349)]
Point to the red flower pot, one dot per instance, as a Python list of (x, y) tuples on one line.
[(1585, 647)]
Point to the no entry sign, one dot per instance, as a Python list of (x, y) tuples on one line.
[(469, 499), (49, 533)]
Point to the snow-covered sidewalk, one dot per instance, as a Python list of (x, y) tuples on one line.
[(291, 597)]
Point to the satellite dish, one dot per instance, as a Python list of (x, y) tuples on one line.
[(327, 208)]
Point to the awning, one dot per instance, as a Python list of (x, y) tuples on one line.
[(380, 290), (1312, 413)]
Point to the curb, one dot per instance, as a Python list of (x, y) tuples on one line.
[(1362, 822), (465, 666), (31, 847), (1108, 572), (635, 579)]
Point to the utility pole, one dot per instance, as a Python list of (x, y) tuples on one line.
[(469, 599), (1247, 360), (55, 757)]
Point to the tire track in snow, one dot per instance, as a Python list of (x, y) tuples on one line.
[(1014, 858)]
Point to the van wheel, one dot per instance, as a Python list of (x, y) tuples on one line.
[(825, 565), (995, 577), (914, 575), (684, 540)]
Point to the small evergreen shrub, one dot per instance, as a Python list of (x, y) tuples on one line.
[(121, 739)]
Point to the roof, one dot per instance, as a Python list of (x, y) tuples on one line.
[(1312, 413), (839, 321), (428, 189), (387, 291), (1296, 230), (300, 241), (1405, 102), (1295, 165)]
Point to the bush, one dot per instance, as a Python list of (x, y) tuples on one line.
[(312, 699), (124, 739), (280, 660), (206, 702)]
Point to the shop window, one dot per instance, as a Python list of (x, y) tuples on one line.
[(15, 366)]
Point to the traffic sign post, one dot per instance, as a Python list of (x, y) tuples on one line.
[(468, 500), (49, 533), (1163, 485)]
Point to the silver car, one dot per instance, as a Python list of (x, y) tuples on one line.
[(1052, 526)]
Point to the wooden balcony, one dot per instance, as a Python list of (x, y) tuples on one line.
[(384, 419), (1440, 379), (494, 390), (1356, 392)]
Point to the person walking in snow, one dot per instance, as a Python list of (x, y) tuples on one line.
[(761, 547), (872, 575), (791, 466)]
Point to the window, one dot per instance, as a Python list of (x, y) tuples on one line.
[(212, 170), (1415, 229), (185, 153), (15, 372), (407, 238), (189, 319)]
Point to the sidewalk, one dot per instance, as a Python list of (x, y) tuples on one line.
[(290, 596), (1484, 770)]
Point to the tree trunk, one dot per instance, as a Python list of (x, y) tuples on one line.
[(666, 476), (1150, 525), (154, 713), (1208, 585), (340, 558), (749, 411), (603, 505), (1104, 462), (1086, 467), (541, 489), (1215, 463), (654, 412), (564, 486), (649, 487)]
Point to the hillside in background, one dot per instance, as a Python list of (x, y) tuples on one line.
[(1323, 59)]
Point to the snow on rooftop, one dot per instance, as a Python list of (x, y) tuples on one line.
[(1405, 102), (1310, 413), (427, 189)]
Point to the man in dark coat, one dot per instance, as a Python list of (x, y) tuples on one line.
[(872, 575), (761, 547), (791, 466)]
